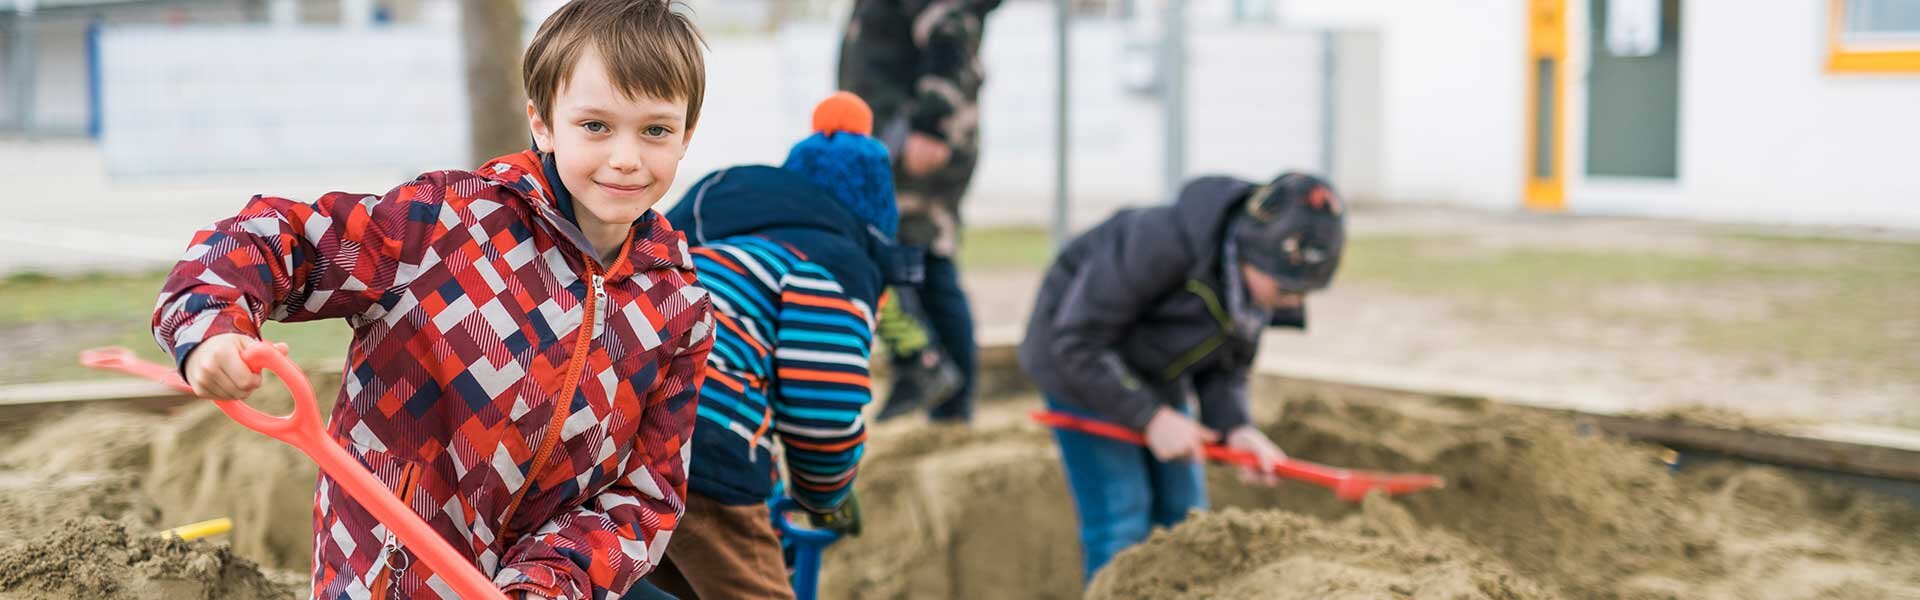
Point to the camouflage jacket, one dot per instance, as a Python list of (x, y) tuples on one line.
[(917, 63)]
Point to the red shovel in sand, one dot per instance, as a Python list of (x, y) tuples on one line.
[(303, 430), (1347, 484)]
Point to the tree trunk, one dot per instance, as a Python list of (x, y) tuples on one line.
[(491, 40)]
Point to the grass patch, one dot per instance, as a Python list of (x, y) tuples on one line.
[(1006, 248), (49, 321), (1455, 265), (1851, 307)]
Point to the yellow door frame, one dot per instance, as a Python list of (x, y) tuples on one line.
[(1546, 41)]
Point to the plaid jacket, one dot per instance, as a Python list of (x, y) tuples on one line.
[(533, 405)]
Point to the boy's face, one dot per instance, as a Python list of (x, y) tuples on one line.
[(1266, 291), (616, 155)]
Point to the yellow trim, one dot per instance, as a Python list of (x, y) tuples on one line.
[(1546, 40), (1841, 59)]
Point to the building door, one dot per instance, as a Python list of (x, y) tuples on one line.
[(1633, 89)]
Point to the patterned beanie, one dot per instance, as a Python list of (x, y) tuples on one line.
[(843, 158), (1294, 229)]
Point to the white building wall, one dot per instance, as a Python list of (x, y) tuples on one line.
[(1767, 135), (1452, 115), (382, 97)]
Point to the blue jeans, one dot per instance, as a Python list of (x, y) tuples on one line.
[(1121, 492)]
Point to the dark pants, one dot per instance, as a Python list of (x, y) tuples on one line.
[(947, 321), (1121, 491), (642, 590)]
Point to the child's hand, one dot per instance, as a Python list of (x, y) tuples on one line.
[(216, 370), (1171, 435), (924, 154), (1249, 439), (844, 520)]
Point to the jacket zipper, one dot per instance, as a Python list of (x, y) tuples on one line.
[(563, 409), (390, 567)]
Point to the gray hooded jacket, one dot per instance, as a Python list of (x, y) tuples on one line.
[(1134, 314)]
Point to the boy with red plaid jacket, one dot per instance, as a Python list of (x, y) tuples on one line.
[(528, 337)]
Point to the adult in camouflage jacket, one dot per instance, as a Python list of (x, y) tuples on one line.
[(916, 62)]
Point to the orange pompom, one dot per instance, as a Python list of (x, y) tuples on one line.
[(843, 111)]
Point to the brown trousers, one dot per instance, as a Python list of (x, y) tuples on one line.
[(723, 552)]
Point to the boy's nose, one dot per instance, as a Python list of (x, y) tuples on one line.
[(625, 158)]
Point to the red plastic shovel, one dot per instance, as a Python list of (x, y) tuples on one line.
[(1347, 484), (303, 430)]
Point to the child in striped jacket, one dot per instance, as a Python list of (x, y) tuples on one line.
[(795, 258)]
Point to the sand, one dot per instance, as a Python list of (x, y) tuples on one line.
[(1587, 516), (1235, 553), (1535, 508), (952, 513), (84, 479), (92, 557)]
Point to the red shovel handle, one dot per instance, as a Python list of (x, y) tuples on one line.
[(1347, 484), (304, 430)]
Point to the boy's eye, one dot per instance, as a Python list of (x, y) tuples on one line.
[(595, 127), (657, 131)]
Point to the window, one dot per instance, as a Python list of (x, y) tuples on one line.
[(1874, 36)]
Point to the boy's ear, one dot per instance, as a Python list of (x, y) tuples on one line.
[(685, 141), (542, 135)]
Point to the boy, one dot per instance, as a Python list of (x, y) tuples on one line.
[(795, 258), (1159, 303), (528, 339)]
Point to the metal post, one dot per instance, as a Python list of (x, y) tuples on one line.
[(1062, 15), (1329, 97), (93, 78), (1173, 87), (283, 13), (356, 14), (25, 56)]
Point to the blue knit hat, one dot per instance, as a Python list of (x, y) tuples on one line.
[(843, 158)]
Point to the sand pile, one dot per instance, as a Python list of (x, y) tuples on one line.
[(65, 469), (952, 513), (91, 470), (206, 466), (1233, 553), (1587, 516), (96, 558), (1534, 508)]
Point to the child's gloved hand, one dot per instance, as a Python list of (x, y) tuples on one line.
[(844, 520), (1171, 435), (1249, 439), (216, 371)]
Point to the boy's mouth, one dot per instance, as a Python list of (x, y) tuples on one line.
[(621, 190)]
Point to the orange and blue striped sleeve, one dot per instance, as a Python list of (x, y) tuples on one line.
[(822, 357)]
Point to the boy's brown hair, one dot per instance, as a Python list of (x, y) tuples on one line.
[(650, 50)]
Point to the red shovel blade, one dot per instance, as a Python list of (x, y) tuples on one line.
[(1347, 484)]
